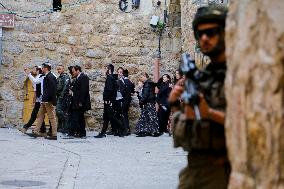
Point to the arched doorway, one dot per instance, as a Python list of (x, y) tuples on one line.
[(28, 102)]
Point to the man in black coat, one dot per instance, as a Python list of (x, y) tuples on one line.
[(129, 89), (48, 103), (80, 103), (109, 95)]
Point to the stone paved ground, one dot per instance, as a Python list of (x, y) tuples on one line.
[(108, 163)]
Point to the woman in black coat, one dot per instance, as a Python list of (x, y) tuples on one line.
[(148, 122), (162, 100)]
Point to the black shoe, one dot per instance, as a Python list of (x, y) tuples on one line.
[(110, 133), (141, 135), (127, 134), (83, 136), (115, 134), (60, 130), (51, 137), (69, 134), (121, 135), (101, 135), (49, 133), (157, 134)]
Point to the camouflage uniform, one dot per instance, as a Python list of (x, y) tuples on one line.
[(62, 83), (208, 166)]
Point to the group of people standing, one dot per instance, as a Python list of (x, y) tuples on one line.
[(66, 98), (117, 96), (155, 109)]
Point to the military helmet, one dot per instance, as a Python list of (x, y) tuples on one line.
[(215, 13)]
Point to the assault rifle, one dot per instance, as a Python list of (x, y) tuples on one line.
[(190, 95)]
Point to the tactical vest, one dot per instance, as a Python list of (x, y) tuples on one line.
[(205, 136), (62, 80)]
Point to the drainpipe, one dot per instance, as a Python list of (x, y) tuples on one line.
[(157, 62)]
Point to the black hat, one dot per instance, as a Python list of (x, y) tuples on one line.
[(125, 73), (210, 14), (111, 67), (46, 64)]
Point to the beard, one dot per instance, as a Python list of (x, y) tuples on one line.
[(218, 49)]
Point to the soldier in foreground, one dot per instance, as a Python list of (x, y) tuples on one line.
[(208, 165)]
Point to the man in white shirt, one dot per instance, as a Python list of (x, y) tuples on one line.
[(35, 75)]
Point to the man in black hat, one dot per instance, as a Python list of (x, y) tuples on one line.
[(129, 89), (109, 96), (80, 103)]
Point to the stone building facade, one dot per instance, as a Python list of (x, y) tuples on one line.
[(91, 33)]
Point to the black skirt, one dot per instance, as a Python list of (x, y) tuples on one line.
[(148, 120)]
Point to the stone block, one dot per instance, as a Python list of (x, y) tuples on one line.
[(94, 75), (93, 53), (18, 81), (24, 37), (65, 29), (13, 48), (101, 28), (7, 60), (57, 18), (64, 49), (14, 111), (79, 50), (7, 94), (127, 51), (94, 41), (72, 40), (86, 28), (50, 46), (109, 40), (84, 40), (114, 29), (77, 61), (51, 38)]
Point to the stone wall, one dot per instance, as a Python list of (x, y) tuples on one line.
[(92, 35), (254, 91)]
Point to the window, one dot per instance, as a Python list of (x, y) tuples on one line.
[(57, 6)]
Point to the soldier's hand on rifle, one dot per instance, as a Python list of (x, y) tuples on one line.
[(203, 107), (205, 111)]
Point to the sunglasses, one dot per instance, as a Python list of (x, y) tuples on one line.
[(211, 32)]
